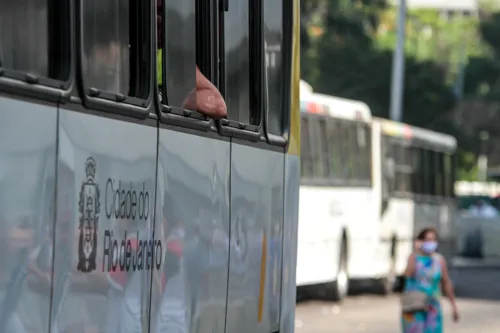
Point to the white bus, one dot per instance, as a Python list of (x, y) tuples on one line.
[(367, 186)]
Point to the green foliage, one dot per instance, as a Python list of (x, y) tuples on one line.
[(468, 166), (347, 51)]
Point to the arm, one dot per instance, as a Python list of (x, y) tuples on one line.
[(410, 266), (447, 284)]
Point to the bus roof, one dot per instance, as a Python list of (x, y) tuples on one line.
[(343, 108), (397, 129), (305, 87)]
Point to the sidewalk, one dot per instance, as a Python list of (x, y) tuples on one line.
[(462, 262)]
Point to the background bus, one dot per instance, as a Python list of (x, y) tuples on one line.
[(361, 198)]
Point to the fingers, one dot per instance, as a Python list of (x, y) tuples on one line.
[(206, 98)]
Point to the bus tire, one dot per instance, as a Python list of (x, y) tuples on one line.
[(340, 287)]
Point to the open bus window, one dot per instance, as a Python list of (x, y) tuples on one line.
[(34, 39), (115, 47), (241, 92), (176, 52), (273, 37)]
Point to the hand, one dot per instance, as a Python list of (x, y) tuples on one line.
[(456, 316)]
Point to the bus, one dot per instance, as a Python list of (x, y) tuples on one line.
[(367, 186), (121, 209)]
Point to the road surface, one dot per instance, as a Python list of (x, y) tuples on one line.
[(478, 290)]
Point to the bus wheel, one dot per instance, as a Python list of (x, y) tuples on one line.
[(340, 287)]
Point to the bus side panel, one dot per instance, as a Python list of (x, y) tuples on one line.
[(290, 229), (28, 139), (256, 240), (104, 254), (320, 228), (193, 210)]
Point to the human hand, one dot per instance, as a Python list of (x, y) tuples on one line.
[(456, 316)]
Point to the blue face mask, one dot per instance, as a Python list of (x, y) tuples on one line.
[(429, 246)]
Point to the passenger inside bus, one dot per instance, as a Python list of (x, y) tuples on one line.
[(205, 98)]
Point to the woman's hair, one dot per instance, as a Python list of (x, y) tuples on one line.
[(423, 233)]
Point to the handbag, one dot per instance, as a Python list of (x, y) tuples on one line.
[(414, 301)]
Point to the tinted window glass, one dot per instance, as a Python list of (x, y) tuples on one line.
[(305, 150), (33, 38), (237, 41), (178, 24), (106, 52), (273, 35)]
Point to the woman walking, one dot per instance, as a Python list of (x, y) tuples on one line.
[(426, 272)]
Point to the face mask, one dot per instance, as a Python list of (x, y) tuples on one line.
[(429, 246)]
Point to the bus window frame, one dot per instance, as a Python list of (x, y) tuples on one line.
[(176, 115), (41, 87), (233, 128), (286, 70), (113, 103)]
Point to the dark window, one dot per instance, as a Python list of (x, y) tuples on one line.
[(306, 166), (237, 46), (35, 38), (440, 175), (416, 162), (344, 143), (364, 152), (388, 167), (273, 46), (449, 175), (352, 151), (334, 148), (177, 51), (324, 144), (403, 167), (316, 148), (115, 50), (428, 169)]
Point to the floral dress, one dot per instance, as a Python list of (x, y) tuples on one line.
[(427, 279)]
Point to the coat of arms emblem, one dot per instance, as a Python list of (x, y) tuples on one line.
[(89, 209)]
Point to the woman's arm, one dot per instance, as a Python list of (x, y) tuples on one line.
[(446, 283), (410, 266)]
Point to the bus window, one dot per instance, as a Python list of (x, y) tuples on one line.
[(273, 39), (325, 145), (306, 166), (238, 62), (403, 167), (34, 38), (449, 175), (417, 166), (353, 151), (316, 148), (115, 48), (345, 147), (440, 175), (334, 147), (176, 49), (428, 169)]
